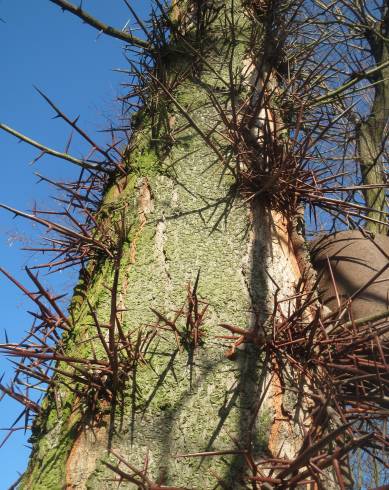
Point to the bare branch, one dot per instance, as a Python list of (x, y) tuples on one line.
[(366, 74), (101, 26), (50, 151)]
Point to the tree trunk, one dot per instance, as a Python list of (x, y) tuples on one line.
[(185, 219), (372, 132)]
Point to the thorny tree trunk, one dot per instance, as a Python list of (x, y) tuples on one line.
[(185, 218)]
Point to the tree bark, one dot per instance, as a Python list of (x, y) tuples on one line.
[(185, 220), (372, 131)]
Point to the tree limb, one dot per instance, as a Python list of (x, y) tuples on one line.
[(101, 26), (50, 151), (332, 94)]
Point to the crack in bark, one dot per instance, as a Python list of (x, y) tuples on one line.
[(160, 240)]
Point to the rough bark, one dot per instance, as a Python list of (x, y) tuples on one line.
[(185, 218), (372, 131)]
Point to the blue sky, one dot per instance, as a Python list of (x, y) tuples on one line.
[(74, 66)]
